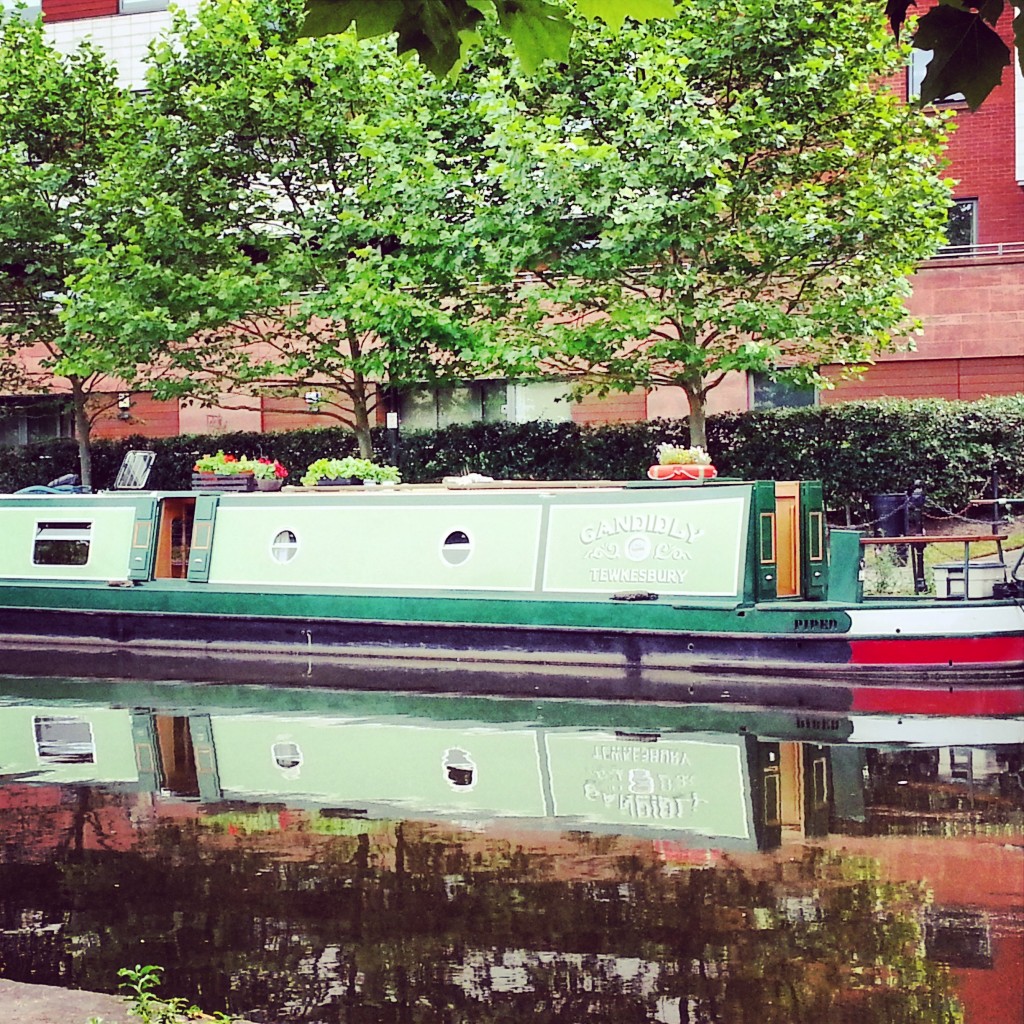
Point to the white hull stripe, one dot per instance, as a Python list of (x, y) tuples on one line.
[(960, 619)]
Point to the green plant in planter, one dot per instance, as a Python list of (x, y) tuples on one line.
[(269, 469), (676, 455), (224, 465), (347, 469)]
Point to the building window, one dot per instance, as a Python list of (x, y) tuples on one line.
[(456, 548), (431, 408), (141, 6), (286, 755), (766, 393), (486, 401), (962, 225), (916, 71), (28, 420), (62, 543)]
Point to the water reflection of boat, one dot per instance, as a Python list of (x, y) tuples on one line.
[(734, 779), (634, 584)]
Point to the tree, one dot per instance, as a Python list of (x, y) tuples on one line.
[(339, 173), (726, 192), (62, 122)]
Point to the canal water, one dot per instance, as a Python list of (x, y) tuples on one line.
[(291, 854)]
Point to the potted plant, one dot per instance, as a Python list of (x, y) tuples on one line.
[(678, 463), (350, 470), (223, 472), (270, 475)]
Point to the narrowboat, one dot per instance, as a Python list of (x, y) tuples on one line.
[(640, 589)]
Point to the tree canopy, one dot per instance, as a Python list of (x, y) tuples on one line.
[(64, 121), (340, 177), (723, 192)]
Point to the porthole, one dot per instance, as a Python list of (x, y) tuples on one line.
[(287, 755), (458, 768), (284, 547), (456, 548)]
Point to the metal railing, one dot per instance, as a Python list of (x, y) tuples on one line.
[(991, 249)]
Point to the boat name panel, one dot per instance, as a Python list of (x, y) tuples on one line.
[(818, 625), (697, 550)]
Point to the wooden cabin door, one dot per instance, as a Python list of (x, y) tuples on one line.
[(787, 538), (172, 548)]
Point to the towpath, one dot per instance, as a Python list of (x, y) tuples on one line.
[(46, 1004)]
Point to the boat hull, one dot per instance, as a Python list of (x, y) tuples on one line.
[(652, 645)]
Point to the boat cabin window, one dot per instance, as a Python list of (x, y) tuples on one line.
[(287, 755), (456, 548), (62, 543), (64, 740), (284, 547)]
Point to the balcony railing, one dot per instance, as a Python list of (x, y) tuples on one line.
[(991, 249)]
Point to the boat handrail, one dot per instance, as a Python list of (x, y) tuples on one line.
[(967, 539), (938, 538)]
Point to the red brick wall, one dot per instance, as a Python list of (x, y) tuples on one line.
[(616, 408), (981, 154), (294, 414), (68, 10), (965, 379), (147, 417)]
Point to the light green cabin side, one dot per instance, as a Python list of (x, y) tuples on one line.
[(412, 767), (110, 537), (354, 544), (38, 740), (687, 785)]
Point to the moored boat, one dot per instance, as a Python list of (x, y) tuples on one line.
[(642, 580)]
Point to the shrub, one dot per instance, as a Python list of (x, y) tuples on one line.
[(856, 449)]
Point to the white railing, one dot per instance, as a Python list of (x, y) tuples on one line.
[(992, 249)]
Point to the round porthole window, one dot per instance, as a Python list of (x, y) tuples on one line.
[(286, 755), (456, 548), (284, 547), (459, 768)]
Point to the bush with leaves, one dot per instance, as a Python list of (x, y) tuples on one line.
[(857, 449)]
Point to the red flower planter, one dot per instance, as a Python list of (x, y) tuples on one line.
[(687, 471)]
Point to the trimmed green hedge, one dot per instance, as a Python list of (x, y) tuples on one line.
[(856, 448)]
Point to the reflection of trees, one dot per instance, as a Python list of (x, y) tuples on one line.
[(420, 924)]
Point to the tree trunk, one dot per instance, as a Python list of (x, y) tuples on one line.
[(698, 418), (83, 428), (361, 417)]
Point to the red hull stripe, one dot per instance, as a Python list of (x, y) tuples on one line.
[(965, 650), (1007, 700)]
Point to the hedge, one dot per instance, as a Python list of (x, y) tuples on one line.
[(856, 449)]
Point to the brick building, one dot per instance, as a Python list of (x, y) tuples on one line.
[(970, 299)]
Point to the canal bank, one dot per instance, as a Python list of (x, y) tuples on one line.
[(46, 1004)]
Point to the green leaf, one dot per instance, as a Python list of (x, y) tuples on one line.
[(614, 12), (326, 17), (538, 30), (968, 56)]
